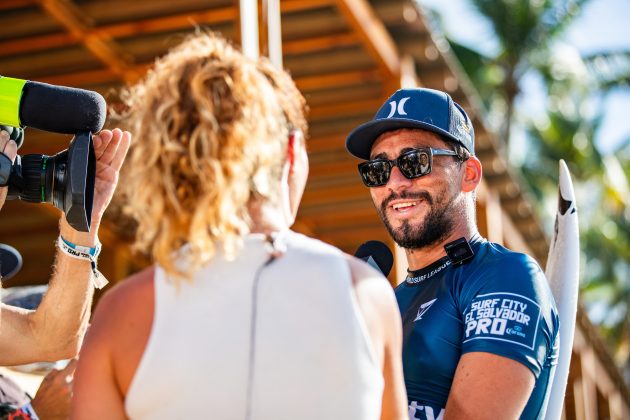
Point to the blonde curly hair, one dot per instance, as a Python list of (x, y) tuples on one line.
[(210, 128)]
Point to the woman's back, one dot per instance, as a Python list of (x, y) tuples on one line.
[(260, 338)]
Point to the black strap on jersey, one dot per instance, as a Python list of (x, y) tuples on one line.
[(459, 251)]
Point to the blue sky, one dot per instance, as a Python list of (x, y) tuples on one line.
[(601, 26)]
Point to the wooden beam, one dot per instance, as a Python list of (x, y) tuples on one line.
[(513, 237), (289, 6), (124, 29), (399, 13), (326, 143), (305, 84), (36, 43), (320, 43), (366, 215), (343, 207), (376, 39), (334, 169), (350, 241), (140, 27), (374, 225), (344, 125), (68, 15), (345, 108), (82, 78), (168, 23), (339, 173), (333, 80), (16, 4), (335, 194)]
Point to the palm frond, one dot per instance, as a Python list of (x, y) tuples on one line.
[(611, 69)]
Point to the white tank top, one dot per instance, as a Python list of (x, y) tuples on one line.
[(311, 358)]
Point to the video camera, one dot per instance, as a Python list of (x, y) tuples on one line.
[(65, 180)]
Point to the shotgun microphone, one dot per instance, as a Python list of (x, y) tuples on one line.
[(377, 254), (58, 109)]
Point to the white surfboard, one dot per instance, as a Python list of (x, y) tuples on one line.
[(563, 264)]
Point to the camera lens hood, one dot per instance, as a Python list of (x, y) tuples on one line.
[(80, 176)]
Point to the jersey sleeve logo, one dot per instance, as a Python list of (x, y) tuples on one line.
[(507, 317)]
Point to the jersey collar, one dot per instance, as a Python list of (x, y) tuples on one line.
[(426, 273)]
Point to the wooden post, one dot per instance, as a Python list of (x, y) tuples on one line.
[(589, 385), (408, 74), (494, 218), (271, 10), (260, 33), (248, 20)]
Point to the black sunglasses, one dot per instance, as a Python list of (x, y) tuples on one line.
[(412, 164)]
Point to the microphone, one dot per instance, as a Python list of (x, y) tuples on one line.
[(377, 254), (58, 109), (10, 261)]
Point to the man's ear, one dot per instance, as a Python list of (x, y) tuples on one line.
[(472, 174)]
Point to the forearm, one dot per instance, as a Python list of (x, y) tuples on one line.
[(59, 323)]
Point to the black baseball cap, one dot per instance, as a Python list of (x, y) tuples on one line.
[(427, 109)]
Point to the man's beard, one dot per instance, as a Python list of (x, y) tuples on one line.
[(436, 226)]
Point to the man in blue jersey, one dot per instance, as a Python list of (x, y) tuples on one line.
[(480, 326)]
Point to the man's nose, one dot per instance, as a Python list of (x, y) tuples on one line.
[(397, 180)]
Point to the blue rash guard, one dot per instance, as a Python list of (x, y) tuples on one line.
[(498, 302)]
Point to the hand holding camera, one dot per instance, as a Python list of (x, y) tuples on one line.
[(8, 152), (110, 149)]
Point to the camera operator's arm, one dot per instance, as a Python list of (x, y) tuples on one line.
[(54, 331)]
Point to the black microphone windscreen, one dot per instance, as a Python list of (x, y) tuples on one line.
[(61, 109), (380, 254)]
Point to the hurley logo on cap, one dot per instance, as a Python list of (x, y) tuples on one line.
[(400, 107)]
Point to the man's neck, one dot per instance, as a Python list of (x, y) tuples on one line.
[(418, 258)]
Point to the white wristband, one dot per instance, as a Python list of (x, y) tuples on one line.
[(84, 253)]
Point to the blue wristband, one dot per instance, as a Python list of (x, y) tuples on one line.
[(84, 249), (87, 254)]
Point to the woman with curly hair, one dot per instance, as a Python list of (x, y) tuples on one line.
[(240, 317)]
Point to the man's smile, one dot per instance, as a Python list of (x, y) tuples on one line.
[(407, 207), (404, 206)]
